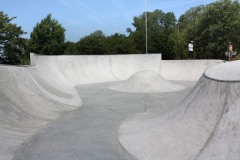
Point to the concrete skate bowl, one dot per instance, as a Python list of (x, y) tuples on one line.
[(205, 125), (32, 97)]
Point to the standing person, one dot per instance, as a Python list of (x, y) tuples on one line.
[(229, 50), (190, 50)]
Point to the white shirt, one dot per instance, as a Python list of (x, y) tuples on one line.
[(190, 47)]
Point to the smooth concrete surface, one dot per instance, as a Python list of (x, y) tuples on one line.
[(225, 72), (184, 70), (146, 81), (99, 68), (41, 106), (25, 106), (204, 126), (91, 132)]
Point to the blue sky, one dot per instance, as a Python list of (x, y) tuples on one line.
[(82, 17)]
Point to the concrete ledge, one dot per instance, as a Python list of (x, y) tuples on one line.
[(224, 72)]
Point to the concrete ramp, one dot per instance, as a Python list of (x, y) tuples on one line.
[(146, 82), (205, 125), (185, 70), (105, 68), (33, 96), (28, 102), (98, 68)]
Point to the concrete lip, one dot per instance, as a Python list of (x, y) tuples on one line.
[(225, 72)]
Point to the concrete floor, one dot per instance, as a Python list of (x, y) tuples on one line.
[(91, 133)]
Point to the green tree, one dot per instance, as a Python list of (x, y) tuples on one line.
[(93, 44), (70, 48), (47, 37), (11, 44), (176, 42), (186, 28), (120, 44), (217, 25), (190, 18), (159, 25)]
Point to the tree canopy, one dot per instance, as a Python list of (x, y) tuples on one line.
[(47, 37), (93, 44), (215, 26), (11, 44), (159, 26), (210, 26)]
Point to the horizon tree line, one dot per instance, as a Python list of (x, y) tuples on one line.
[(210, 26)]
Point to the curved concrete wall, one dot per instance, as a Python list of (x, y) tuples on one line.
[(205, 125), (98, 68), (33, 96), (28, 102), (105, 68), (187, 70)]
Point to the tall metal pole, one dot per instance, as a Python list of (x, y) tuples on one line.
[(178, 42), (146, 26)]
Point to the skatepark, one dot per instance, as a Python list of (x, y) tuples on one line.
[(121, 107)]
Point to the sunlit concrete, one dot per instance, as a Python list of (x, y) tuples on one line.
[(205, 125), (61, 107), (146, 81)]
